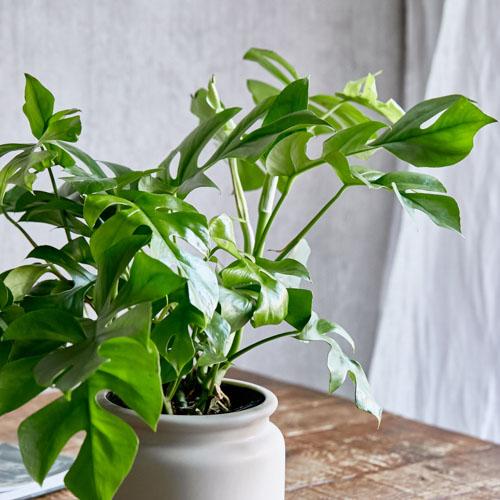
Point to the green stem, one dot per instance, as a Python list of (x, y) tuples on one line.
[(12, 221), (63, 213), (33, 243), (257, 344), (241, 205), (173, 388), (259, 245), (310, 224), (266, 203)]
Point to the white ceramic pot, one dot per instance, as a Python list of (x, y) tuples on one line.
[(232, 456)]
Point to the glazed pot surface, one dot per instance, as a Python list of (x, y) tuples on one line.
[(232, 456)]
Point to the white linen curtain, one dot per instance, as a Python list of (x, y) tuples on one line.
[(438, 342)]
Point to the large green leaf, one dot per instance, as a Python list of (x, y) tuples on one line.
[(45, 324), (111, 265), (149, 280), (272, 303), (447, 141), (38, 106), (70, 366), (110, 445), (152, 210), (17, 383), (236, 307)]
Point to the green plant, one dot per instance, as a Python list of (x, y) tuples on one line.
[(125, 306)]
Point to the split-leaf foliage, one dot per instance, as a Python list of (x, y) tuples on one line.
[(139, 301)]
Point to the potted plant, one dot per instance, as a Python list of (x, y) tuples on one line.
[(138, 317)]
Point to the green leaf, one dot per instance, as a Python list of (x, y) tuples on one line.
[(64, 129), (79, 250), (251, 175), (287, 267), (17, 384), (265, 57), (409, 181), (352, 140), (288, 157), (299, 307), (50, 254), (272, 302), (363, 394), (110, 445), (261, 90), (145, 210), (447, 141), (38, 106), (300, 253), (6, 296), (253, 146), (441, 209), (294, 97), (222, 232), (111, 265), (173, 339), (346, 113), (45, 324), (8, 148), (236, 307), (218, 332), (86, 183), (342, 168), (70, 366), (364, 92), (149, 280), (340, 365), (19, 170), (89, 162), (190, 148), (21, 279)]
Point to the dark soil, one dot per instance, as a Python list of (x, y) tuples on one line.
[(242, 398)]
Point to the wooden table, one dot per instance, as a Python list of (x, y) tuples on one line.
[(335, 451)]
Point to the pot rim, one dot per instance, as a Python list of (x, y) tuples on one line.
[(194, 422)]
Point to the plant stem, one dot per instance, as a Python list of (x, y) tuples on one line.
[(56, 194), (16, 224), (257, 344), (33, 243), (266, 203), (310, 224), (241, 205), (261, 240)]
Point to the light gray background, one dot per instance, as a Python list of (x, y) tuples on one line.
[(131, 65)]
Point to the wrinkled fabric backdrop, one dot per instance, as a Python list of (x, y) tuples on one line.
[(438, 344)]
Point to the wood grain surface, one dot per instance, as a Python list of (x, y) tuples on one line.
[(335, 451)]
